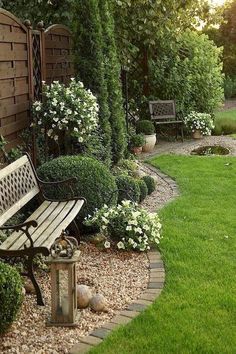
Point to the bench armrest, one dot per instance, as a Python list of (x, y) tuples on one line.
[(24, 227)]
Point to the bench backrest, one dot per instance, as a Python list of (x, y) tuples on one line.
[(18, 185), (162, 111)]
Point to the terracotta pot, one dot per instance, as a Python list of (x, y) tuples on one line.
[(197, 134), (150, 142), (136, 150)]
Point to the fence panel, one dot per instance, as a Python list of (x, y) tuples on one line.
[(58, 51), (15, 77)]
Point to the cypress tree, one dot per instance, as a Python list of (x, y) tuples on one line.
[(112, 75), (90, 62)]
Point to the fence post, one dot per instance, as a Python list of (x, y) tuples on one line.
[(31, 85)]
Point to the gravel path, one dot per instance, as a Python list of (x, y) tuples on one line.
[(185, 148)]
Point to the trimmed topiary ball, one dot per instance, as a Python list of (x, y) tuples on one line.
[(143, 189), (94, 181), (10, 295), (150, 182), (145, 127), (128, 188)]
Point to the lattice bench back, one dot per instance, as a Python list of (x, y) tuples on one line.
[(18, 185), (163, 111)]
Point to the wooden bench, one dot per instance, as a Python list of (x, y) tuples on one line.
[(164, 112), (19, 184)]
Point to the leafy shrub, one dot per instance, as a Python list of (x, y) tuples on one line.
[(136, 140), (127, 167), (225, 126), (143, 189), (230, 87), (188, 70), (150, 183), (129, 225), (145, 127), (10, 295), (128, 188), (94, 180)]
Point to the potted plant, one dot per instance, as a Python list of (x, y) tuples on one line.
[(147, 128), (199, 124), (136, 142)]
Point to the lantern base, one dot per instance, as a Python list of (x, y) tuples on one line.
[(49, 323)]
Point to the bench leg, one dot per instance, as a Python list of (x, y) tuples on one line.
[(75, 230), (182, 133), (30, 273)]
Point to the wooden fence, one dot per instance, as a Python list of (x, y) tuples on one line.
[(26, 58)]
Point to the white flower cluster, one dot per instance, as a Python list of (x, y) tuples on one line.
[(199, 121), (72, 110), (129, 225)]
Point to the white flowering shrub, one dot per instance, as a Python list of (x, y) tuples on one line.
[(72, 110), (130, 226), (199, 121)]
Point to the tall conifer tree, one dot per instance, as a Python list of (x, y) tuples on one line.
[(90, 61), (112, 75)]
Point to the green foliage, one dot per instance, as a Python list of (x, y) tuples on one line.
[(190, 72), (150, 183), (143, 29), (225, 122), (145, 126), (90, 62), (112, 76), (136, 140), (94, 180), (230, 86), (10, 295), (51, 12), (128, 188), (143, 189), (127, 167)]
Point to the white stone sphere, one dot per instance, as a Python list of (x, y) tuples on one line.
[(84, 295)]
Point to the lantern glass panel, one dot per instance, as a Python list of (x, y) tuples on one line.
[(63, 292)]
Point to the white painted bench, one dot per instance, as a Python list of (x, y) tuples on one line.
[(19, 184)]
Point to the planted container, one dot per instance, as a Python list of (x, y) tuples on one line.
[(147, 128)]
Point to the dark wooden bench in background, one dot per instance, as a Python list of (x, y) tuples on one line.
[(164, 112), (19, 184)]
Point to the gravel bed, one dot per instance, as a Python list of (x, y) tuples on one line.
[(185, 148), (162, 194), (120, 276)]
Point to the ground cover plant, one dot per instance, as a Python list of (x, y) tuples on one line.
[(196, 311), (225, 122)]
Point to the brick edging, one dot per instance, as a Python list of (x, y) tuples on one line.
[(154, 288)]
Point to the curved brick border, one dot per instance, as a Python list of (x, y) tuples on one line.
[(154, 288)]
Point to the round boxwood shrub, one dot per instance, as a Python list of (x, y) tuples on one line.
[(128, 188), (94, 181), (145, 127), (143, 189), (10, 295), (150, 183)]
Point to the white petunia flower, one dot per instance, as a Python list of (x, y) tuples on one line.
[(120, 245), (107, 244)]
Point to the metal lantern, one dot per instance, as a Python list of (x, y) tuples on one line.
[(63, 284)]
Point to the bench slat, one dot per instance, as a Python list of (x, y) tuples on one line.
[(53, 234), (52, 212), (15, 236)]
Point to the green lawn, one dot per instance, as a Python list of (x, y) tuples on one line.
[(196, 312), (225, 122)]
